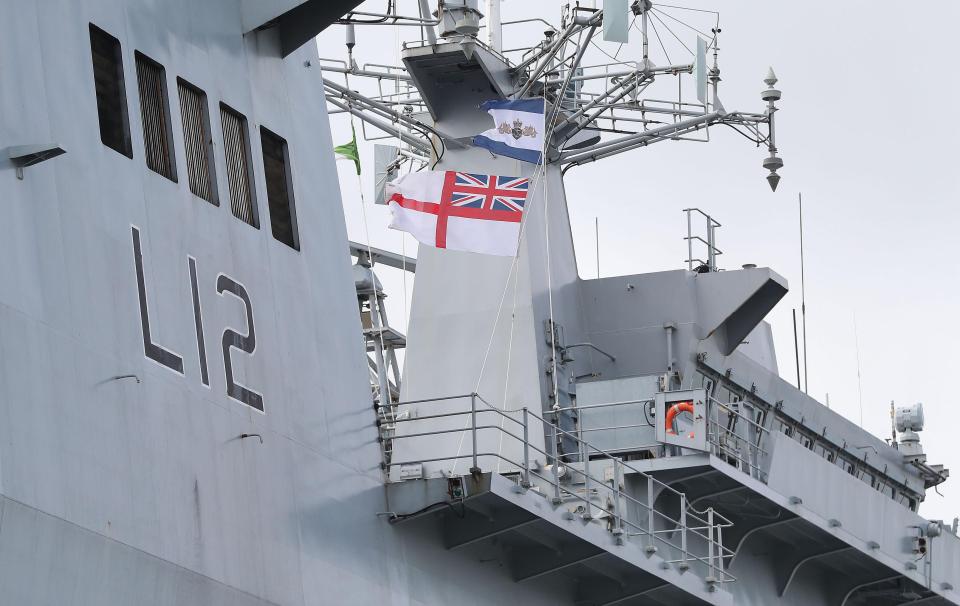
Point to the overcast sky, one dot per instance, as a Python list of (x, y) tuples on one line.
[(867, 134)]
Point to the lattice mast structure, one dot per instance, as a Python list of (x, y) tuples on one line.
[(598, 110)]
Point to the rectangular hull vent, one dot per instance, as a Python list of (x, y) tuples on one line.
[(197, 141), (111, 96), (236, 150), (276, 168), (155, 114)]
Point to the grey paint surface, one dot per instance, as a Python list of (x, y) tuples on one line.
[(119, 491), (626, 389)]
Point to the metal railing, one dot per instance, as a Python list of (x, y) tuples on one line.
[(399, 92), (690, 537), (710, 242), (736, 438), (731, 435)]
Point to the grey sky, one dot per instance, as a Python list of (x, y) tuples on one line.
[(866, 133)]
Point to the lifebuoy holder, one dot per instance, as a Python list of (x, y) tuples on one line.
[(673, 411), (670, 430)]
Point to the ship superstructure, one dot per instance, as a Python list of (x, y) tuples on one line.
[(628, 438)]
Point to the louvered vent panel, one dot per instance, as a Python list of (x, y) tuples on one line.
[(111, 97), (197, 142), (236, 152), (153, 113)]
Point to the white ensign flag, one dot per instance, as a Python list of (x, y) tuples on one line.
[(459, 211)]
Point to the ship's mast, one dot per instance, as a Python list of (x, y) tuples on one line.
[(600, 103), (494, 26), (605, 109)]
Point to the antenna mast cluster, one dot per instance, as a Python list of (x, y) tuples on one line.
[(604, 100)]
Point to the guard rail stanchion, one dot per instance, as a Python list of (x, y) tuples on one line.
[(720, 551), (473, 432), (617, 521), (683, 531), (526, 450), (712, 577), (556, 468), (651, 523), (586, 481)]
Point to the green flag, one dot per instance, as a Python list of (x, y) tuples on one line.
[(349, 150)]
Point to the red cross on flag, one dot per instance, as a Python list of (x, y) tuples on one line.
[(460, 211)]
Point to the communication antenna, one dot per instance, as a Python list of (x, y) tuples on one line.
[(351, 41), (803, 301), (494, 26), (856, 341), (893, 423), (596, 227), (575, 138), (715, 76), (796, 347), (771, 95), (644, 8)]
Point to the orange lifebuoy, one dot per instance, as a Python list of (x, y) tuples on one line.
[(674, 411)]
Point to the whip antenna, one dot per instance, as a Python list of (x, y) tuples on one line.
[(796, 347), (803, 301)]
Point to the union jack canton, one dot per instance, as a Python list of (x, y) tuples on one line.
[(488, 192), (459, 210)]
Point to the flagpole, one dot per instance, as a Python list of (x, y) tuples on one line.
[(803, 300)]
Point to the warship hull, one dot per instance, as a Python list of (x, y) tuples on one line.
[(185, 405)]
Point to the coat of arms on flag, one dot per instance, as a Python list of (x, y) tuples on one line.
[(459, 210), (519, 129)]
